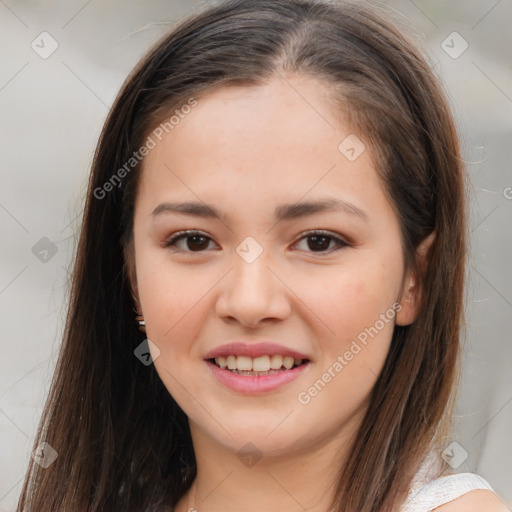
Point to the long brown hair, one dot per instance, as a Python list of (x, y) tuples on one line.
[(123, 443)]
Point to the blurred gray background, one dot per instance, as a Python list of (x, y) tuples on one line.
[(62, 64)]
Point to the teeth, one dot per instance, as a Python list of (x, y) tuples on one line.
[(288, 362), (276, 362), (257, 364), (243, 363), (260, 364), (231, 362)]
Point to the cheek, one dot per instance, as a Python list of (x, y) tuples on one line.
[(355, 306), (173, 302), (351, 298), (359, 309), (174, 306)]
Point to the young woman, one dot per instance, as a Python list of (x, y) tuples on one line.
[(278, 200)]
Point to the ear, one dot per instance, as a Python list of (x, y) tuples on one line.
[(411, 293), (129, 266)]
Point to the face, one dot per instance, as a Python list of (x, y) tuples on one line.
[(320, 283)]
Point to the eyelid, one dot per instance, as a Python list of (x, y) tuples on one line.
[(325, 232)]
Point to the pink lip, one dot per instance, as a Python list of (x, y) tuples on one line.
[(256, 384), (266, 348)]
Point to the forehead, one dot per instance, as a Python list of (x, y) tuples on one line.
[(237, 121), (279, 140)]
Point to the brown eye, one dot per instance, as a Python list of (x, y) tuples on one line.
[(196, 242), (319, 241), (189, 241)]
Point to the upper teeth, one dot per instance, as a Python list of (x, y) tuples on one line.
[(257, 364)]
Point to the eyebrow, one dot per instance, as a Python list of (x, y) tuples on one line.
[(283, 212)]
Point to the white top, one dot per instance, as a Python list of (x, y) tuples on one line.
[(429, 490)]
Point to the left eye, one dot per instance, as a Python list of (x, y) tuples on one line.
[(319, 241), (195, 241)]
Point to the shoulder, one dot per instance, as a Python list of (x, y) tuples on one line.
[(463, 492), (479, 500)]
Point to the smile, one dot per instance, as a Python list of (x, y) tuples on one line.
[(245, 365), (257, 375)]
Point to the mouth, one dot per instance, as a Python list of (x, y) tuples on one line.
[(250, 377), (257, 366), (253, 368)]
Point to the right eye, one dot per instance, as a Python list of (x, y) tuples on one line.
[(190, 240)]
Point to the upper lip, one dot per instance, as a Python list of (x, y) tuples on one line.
[(263, 348)]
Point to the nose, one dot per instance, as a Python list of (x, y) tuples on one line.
[(252, 293)]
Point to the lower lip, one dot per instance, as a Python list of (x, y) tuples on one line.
[(255, 384)]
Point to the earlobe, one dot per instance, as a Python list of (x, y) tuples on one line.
[(408, 302), (411, 294)]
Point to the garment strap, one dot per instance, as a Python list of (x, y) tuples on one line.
[(443, 490)]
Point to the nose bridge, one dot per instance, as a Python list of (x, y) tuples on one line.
[(250, 268), (251, 292)]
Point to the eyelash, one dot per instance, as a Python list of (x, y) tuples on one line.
[(191, 232)]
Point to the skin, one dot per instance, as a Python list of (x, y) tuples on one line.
[(475, 501), (246, 151)]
